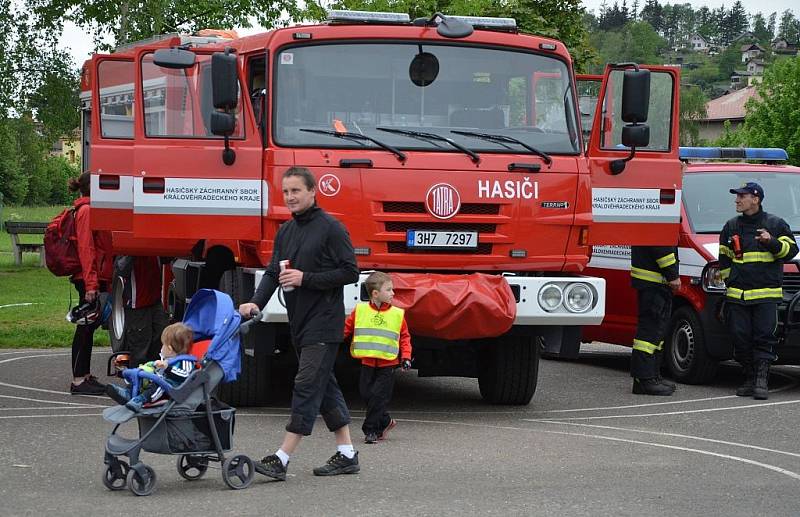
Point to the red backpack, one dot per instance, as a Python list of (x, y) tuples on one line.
[(61, 244)]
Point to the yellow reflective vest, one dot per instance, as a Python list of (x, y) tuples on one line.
[(376, 334)]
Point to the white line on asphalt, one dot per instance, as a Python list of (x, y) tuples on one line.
[(48, 416), (48, 401), (779, 470), (667, 413), (42, 408), (673, 435)]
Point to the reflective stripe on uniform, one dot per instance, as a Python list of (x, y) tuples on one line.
[(725, 273), (645, 346), (724, 250), (647, 275), (666, 260), (376, 334), (754, 294), (786, 243), (751, 257)]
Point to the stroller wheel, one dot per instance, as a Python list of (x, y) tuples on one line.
[(115, 476), (192, 467), (238, 472), (142, 484)]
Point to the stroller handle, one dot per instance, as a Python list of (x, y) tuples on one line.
[(255, 316)]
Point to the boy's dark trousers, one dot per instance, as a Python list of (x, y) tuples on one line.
[(376, 385)]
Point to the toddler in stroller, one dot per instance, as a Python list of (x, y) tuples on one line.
[(191, 424)]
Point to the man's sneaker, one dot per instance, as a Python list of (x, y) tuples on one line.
[(371, 438), (651, 387), (271, 466), (392, 424), (135, 404), (86, 388), (118, 394), (338, 464)]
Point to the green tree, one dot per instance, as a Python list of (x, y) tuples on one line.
[(735, 22), (692, 110), (636, 41), (789, 28), (773, 117), (760, 29), (730, 137)]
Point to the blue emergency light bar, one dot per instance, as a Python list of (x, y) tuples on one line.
[(762, 154)]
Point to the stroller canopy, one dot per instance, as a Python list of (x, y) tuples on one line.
[(211, 315)]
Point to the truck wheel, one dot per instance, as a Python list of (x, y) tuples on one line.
[(252, 387), (510, 371), (685, 349), (116, 321)]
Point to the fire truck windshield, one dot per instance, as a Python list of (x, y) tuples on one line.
[(373, 88), (709, 204)]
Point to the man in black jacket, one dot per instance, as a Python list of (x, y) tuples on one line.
[(654, 274), (322, 261), (752, 249)]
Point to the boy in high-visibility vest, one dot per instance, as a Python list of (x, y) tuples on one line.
[(380, 339)]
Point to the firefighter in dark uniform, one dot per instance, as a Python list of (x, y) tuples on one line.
[(654, 274), (752, 249)]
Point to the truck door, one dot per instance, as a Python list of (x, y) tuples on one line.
[(182, 189), (641, 204), (110, 123)]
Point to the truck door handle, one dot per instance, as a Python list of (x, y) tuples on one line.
[(667, 196), (109, 182), (153, 185)]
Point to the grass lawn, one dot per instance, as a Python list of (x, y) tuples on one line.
[(38, 322)]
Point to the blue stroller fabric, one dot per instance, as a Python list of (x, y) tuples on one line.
[(211, 314)]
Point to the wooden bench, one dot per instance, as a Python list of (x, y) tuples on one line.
[(17, 228)]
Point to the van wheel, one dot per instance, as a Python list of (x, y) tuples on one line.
[(252, 387), (510, 370), (685, 349), (116, 322)]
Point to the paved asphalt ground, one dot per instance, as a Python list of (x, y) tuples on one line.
[(584, 446)]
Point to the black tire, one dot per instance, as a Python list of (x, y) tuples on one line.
[(252, 387), (685, 354), (238, 472), (116, 321), (191, 467), (510, 371), (142, 484), (115, 476)]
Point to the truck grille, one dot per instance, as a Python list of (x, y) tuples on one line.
[(408, 207), (484, 248), (403, 226), (791, 283)]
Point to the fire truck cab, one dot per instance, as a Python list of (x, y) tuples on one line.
[(450, 148), (697, 341)]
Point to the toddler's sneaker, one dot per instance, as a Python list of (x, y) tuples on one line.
[(135, 404), (118, 394)]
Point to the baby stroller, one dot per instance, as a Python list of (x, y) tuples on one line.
[(191, 424)]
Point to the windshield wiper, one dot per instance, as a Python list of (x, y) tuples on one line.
[(359, 137), (506, 140), (432, 136)]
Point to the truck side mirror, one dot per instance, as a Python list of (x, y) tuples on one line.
[(224, 124), (175, 58), (636, 135), (224, 80), (635, 108)]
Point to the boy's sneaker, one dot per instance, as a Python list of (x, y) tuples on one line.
[(271, 466), (135, 404), (392, 425), (118, 394), (338, 464), (371, 438), (86, 388)]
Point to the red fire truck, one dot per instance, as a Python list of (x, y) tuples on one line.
[(450, 147), (697, 341)]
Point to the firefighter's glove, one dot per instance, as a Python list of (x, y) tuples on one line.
[(406, 364)]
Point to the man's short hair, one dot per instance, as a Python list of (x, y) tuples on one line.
[(375, 281), (301, 172), (178, 337)]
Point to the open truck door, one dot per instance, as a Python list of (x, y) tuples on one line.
[(189, 179), (633, 157)]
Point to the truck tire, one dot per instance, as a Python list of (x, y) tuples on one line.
[(116, 321), (510, 370), (252, 387), (685, 353)]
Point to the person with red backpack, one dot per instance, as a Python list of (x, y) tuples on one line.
[(94, 253)]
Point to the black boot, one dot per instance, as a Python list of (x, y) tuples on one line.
[(659, 358), (651, 387), (746, 389), (760, 389)]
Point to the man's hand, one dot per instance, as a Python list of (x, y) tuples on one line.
[(674, 284), (91, 296), (406, 364), (290, 278), (246, 308), (763, 236)]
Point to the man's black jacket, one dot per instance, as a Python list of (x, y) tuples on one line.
[(653, 266), (317, 244)]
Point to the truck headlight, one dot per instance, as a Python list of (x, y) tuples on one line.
[(550, 297), (712, 279), (578, 298)]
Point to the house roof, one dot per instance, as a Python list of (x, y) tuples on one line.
[(752, 46), (730, 106)]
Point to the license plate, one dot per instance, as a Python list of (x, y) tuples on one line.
[(424, 239)]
